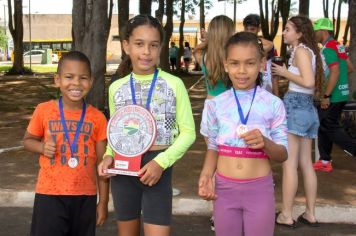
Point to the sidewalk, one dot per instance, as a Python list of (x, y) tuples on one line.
[(336, 193)]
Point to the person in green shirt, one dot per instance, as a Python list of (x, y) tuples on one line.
[(173, 53), (336, 94)]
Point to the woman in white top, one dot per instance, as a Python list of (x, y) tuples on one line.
[(305, 75), (187, 55)]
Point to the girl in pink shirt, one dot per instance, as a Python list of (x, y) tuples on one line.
[(246, 129)]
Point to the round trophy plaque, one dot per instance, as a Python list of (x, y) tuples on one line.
[(131, 131)]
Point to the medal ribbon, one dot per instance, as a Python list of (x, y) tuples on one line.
[(65, 129), (239, 108), (150, 92)]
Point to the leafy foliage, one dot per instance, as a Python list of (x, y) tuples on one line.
[(3, 39), (191, 6)]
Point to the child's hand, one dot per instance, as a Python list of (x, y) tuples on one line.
[(150, 173), (254, 139), (101, 213), (105, 164), (206, 188), (278, 70), (49, 146)]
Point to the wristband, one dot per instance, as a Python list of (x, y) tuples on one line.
[(326, 96)]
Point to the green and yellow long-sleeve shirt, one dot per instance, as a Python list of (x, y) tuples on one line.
[(170, 107)]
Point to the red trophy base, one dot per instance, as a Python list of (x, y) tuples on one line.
[(126, 165)]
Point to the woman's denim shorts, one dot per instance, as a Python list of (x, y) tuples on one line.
[(302, 116)]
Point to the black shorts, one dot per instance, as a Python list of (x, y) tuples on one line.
[(63, 215), (173, 61), (130, 196)]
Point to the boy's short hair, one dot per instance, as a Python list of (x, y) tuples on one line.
[(74, 56), (252, 19)]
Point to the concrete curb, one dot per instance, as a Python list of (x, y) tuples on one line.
[(194, 206)]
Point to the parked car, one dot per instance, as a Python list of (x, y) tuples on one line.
[(36, 56)]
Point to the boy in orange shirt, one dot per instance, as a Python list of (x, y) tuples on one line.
[(70, 137)]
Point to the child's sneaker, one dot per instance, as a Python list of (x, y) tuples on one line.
[(325, 167)]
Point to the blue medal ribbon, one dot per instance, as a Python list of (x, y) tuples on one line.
[(239, 108), (150, 92), (65, 129)]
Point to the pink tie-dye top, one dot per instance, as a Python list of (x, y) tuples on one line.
[(267, 114)]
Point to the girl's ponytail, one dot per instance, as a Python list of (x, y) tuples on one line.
[(125, 67)]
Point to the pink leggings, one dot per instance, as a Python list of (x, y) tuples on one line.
[(244, 207)]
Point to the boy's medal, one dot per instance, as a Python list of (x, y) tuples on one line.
[(72, 162), (242, 128), (131, 132)]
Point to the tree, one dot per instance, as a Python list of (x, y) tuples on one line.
[(269, 30), (204, 5), (16, 30), (326, 8), (304, 7), (124, 8), (145, 7), (336, 14), (160, 11), (235, 2), (352, 9), (347, 29), (284, 7), (3, 39), (181, 33), (202, 14), (90, 26), (168, 29)]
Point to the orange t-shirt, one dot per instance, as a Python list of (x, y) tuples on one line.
[(55, 176)]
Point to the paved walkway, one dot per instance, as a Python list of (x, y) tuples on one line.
[(336, 194)]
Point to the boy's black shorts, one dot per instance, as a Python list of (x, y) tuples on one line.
[(56, 215), (131, 196)]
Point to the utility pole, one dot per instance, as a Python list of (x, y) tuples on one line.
[(29, 26)]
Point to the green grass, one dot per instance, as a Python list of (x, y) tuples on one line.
[(35, 68)]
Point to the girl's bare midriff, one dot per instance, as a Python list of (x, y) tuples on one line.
[(243, 168)]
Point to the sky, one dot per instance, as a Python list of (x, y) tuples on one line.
[(251, 6)]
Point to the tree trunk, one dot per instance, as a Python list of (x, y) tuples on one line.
[(17, 36), (304, 7), (337, 21), (91, 25), (326, 8), (123, 9), (145, 7), (160, 11), (284, 6), (269, 31), (181, 34), (347, 29), (234, 14), (202, 14), (168, 29), (352, 79)]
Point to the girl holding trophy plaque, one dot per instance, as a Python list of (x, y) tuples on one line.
[(151, 126)]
